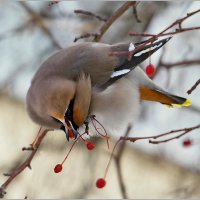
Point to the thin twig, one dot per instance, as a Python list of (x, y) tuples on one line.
[(118, 165), (154, 137), (155, 36), (88, 13), (136, 14), (17, 30), (182, 63), (177, 31), (113, 18), (37, 19), (193, 87), (26, 163), (86, 35), (97, 36), (185, 63), (178, 23), (53, 3)]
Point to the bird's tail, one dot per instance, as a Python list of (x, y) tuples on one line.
[(163, 97)]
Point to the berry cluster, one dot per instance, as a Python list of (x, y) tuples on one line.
[(100, 183)]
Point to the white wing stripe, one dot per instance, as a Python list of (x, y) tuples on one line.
[(147, 50), (119, 73)]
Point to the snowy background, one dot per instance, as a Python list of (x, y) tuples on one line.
[(24, 45)]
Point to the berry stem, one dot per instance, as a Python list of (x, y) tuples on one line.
[(106, 171), (80, 136), (106, 134)]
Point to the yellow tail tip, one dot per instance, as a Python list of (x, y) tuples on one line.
[(168, 105), (187, 102)]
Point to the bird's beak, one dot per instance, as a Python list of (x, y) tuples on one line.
[(67, 125), (70, 131), (147, 50)]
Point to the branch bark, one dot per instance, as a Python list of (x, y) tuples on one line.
[(152, 139), (193, 87), (118, 158), (88, 13), (113, 18), (178, 23), (27, 163), (37, 19), (102, 30)]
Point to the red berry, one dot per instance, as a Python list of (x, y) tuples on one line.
[(187, 143), (90, 145), (71, 133), (100, 183), (58, 168), (150, 70)]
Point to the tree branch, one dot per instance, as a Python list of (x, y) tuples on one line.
[(154, 137), (27, 163), (178, 23), (113, 18), (118, 165), (37, 19), (88, 13), (97, 36), (86, 35), (178, 30), (182, 63), (136, 14), (193, 87)]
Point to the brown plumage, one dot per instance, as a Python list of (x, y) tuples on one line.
[(85, 79)]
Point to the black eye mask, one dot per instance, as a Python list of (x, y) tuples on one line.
[(69, 114)]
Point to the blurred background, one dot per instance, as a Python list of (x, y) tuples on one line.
[(30, 32)]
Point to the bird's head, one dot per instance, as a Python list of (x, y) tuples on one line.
[(60, 103)]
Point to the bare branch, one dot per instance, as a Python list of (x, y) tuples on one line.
[(136, 14), (16, 30), (53, 2), (37, 19), (113, 18), (84, 12), (154, 137), (178, 23), (182, 63), (118, 164), (108, 23), (193, 87), (26, 163), (155, 36), (87, 35), (178, 30)]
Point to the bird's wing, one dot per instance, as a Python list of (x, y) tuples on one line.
[(126, 65), (96, 60)]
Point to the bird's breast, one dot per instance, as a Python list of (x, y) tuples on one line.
[(117, 106)]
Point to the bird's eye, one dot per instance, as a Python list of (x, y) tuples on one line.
[(68, 112), (68, 115)]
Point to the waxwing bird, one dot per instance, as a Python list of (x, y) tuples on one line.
[(88, 79)]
